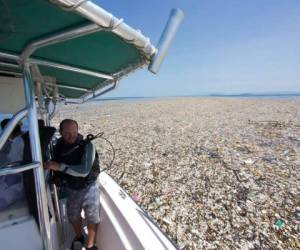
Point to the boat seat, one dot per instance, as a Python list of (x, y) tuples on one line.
[(18, 229), (14, 212), (22, 234)]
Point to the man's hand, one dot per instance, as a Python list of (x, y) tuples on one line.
[(53, 165)]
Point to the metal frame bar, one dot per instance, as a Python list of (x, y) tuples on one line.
[(19, 169), (70, 68), (9, 65), (57, 211), (118, 76), (10, 73), (38, 79), (103, 88), (11, 125), (45, 115), (95, 92), (103, 91), (106, 86), (57, 65), (37, 157), (9, 56), (59, 37), (68, 87)]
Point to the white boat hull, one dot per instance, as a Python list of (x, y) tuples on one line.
[(124, 225)]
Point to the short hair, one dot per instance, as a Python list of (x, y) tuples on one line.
[(65, 121), (4, 122), (41, 123)]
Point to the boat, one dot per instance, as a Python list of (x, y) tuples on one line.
[(69, 51)]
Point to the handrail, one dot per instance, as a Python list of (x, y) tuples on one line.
[(57, 211), (51, 64), (19, 169), (11, 125)]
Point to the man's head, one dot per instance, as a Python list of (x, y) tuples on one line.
[(4, 123), (69, 130), (17, 130)]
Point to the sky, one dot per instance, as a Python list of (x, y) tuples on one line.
[(222, 47)]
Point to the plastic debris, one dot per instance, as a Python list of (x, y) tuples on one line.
[(249, 161), (136, 197), (279, 224), (169, 191), (157, 200), (297, 214), (206, 149)]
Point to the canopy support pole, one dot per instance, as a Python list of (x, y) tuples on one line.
[(46, 63), (39, 178), (59, 37)]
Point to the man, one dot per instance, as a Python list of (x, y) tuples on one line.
[(11, 186), (78, 165)]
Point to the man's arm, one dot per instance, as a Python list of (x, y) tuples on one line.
[(80, 170)]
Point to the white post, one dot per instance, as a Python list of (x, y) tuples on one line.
[(37, 157)]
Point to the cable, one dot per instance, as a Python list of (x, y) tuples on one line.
[(89, 138), (114, 154)]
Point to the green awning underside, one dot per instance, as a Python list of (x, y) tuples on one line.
[(25, 21)]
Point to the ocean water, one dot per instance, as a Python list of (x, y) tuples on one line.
[(294, 97)]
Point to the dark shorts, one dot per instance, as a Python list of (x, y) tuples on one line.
[(87, 199)]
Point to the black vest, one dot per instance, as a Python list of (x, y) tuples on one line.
[(74, 158)]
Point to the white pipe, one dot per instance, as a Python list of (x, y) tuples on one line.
[(105, 19), (11, 126), (36, 154), (175, 19), (18, 169), (57, 38), (57, 65), (70, 68)]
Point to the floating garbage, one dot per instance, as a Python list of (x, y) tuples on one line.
[(249, 161), (297, 214), (169, 191), (279, 224), (190, 161), (136, 197)]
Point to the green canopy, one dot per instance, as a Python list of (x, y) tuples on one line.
[(25, 21)]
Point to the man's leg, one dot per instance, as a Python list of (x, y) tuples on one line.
[(92, 231), (91, 206), (77, 225), (74, 203)]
